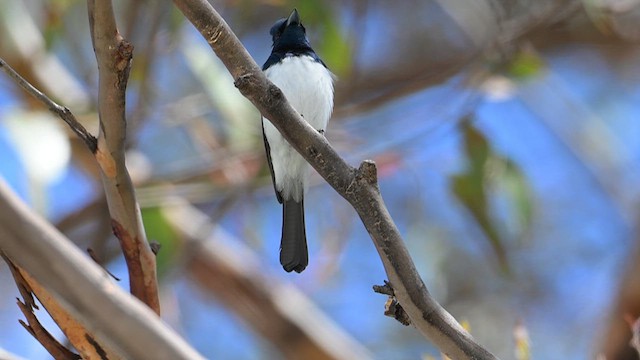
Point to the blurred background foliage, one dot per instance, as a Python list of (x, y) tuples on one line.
[(505, 133)]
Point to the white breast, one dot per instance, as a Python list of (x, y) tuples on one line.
[(308, 86)]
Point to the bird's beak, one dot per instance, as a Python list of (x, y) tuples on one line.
[(294, 18)]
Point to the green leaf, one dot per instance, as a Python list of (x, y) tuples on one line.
[(469, 189), (518, 189), (488, 174), (525, 65), (333, 47), (159, 230)]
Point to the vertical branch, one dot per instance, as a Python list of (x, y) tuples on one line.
[(114, 54)]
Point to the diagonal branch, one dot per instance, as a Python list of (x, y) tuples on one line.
[(358, 186), (33, 326), (82, 288), (62, 111), (113, 54), (77, 334)]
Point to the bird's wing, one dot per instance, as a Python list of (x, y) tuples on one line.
[(273, 175), (273, 59)]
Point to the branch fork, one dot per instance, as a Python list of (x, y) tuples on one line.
[(392, 307)]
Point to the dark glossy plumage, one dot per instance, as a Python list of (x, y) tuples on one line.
[(289, 39)]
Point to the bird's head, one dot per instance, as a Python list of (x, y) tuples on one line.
[(289, 34)]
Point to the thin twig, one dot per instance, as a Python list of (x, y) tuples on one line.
[(94, 257), (33, 325), (63, 112), (392, 307)]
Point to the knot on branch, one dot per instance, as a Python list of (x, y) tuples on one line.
[(155, 247), (275, 93), (68, 117), (124, 54), (96, 346), (243, 82), (317, 155), (392, 307), (368, 172), (118, 230)]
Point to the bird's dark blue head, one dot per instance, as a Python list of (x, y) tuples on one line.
[(289, 35)]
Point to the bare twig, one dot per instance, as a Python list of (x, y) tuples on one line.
[(33, 326), (86, 292), (488, 30), (392, 307), (61, 111), (113, 54), (81, 339), (358, 186), (94, 257)]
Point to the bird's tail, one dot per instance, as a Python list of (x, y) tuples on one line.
[(293, 246)]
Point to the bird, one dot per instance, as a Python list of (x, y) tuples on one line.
[(307, 84)]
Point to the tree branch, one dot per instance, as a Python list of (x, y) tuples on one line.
[(78, 336), (33, 326), (62, 111), (358, 186), (82, 288), (113, 54)]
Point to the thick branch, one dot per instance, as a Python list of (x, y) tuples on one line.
[(84, 290), (359, 187), (114, 54)]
